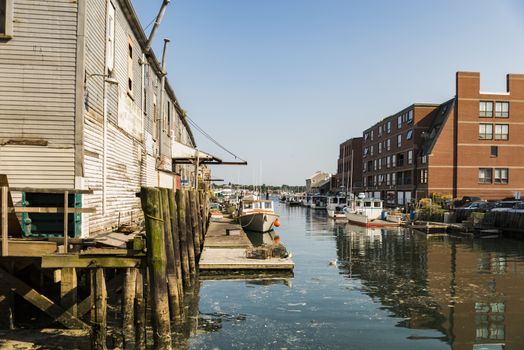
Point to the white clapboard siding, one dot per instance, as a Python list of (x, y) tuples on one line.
[(37, 166), (37, 94), (37, 76)]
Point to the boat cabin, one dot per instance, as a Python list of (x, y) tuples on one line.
[(257, 205)]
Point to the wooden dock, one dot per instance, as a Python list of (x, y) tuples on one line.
[(226, 254)]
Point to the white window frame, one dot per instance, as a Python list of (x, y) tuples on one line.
[(501, 176), (501, 132), (484, 111), (8, 20), (410, 157), (501, 112)]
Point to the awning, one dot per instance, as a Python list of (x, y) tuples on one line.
[(183, 154)]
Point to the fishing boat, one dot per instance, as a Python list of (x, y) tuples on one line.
[(367, 212), (257, 215), (335, 207), (293, 201), (318, 202)]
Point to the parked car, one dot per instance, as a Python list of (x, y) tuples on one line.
[(477, 205), (466, 200), (518, 208), (505, 205)]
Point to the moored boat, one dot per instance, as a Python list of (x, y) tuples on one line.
[(367, 212), (257, 215), (335, 206)]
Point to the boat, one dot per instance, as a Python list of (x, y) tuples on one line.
[(257, 215), (293, 201), (367, 212), (318, 202), (335, 206)]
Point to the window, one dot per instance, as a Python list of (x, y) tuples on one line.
[(501, 175), (485, 131), (155, 118), (424, 159), (484, 176), (501, 131), (494, 151), (502, 109), (370, 165), (375, 180), (393, 161), (375, 165), (410, 117), (388, 179), (410, 157), (389, 126), (380, 164), (388, 144), (6, 19), (380, 130), (130, 67), (366, 136), (399, 140), (371, 135), (380, 147), (424, 176), (409, 134), (110, 37), (486, 109), (371, 150), (366, 151), (388, 161), (400, 159), (399, 122), (393, 179)]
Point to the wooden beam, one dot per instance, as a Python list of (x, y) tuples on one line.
[(68, 288), (66, 221), (81, 261), (49, 190), (42, 302), (43, 210), (99, 319), (3, 207)]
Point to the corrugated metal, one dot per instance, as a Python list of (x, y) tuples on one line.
[(37, 94)]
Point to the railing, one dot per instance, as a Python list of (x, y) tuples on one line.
[(66, 210)]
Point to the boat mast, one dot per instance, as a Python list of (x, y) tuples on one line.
[(350, 182)]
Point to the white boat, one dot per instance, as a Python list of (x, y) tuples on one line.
[(257, 215), (293, 200), (318, 202), (366, 212), (335, 206)]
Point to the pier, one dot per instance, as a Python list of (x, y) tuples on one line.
[(225, 252)]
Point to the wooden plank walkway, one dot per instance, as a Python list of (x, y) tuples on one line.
[(226, 254)]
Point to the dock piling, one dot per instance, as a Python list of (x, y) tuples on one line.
[(182, 229), (156, 256)]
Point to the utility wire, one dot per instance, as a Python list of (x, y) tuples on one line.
[(210, 138)]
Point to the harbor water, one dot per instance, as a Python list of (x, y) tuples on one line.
[(370, 289)]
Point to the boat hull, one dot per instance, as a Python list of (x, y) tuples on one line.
[(258, 222), (362, 220), (337, 215)]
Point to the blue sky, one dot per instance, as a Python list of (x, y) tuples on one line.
[(283, 82)]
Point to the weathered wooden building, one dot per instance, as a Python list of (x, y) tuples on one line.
[(82, 106)]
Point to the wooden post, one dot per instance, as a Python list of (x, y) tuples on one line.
[(190, 240), (176, 243), (140, 311), (200, 219), (99, 314), (181, 206), (66, 221), (6, 304), (203, 214), (68, 290), (5, 236), (174, 300), (156, 255), (196, 224), (128, 308)]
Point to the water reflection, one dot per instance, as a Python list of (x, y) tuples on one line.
[(387, 289), (462, 288)]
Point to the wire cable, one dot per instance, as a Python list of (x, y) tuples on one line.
[(210, 138)]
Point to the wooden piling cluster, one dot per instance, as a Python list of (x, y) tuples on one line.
[(175, 226), (159, 274)]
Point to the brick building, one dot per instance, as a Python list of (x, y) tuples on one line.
[(349, 148), (467, 146)]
